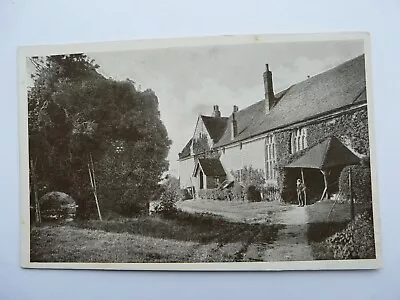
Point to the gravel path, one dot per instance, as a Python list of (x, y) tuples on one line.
[(291, 244)]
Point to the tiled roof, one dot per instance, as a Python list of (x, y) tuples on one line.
[(327, 154), (215, 126), (326, 92), (211, 167), (186, 150)]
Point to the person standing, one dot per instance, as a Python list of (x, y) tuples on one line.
[(300, 187)]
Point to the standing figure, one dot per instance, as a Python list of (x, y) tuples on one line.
[(300, 187)]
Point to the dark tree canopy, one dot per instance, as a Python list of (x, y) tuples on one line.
[(75, 113)]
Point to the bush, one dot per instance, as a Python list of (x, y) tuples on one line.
[(271, 192), (128, 208), (355, 242), (237, 192), (254, 188), (171, 193), (361, 183), (213, 194), (185, 194), (253, 194), (287, 185), (57, 206)]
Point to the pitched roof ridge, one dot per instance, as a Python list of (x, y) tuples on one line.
[(321, 73), (364, 89), (328, 140)]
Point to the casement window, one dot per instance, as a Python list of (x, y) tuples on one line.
[(270, 157), (298, 140)]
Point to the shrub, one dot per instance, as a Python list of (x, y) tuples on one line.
[(213, 194), (128, 208), (253, 194), (361, 183), (171, 193), (237, 192), (185, 194), (355, 242), (287, 186), (253, 187), (57, 206), (270, 192)]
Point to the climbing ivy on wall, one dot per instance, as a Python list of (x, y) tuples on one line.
[(200, 145), (350, 128)]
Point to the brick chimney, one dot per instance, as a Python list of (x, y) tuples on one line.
[(269, 89), (216, 113), (234, 128)]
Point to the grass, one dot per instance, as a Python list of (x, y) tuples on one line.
[(325, 219), (209, 231), (258, 212), (186, 238)]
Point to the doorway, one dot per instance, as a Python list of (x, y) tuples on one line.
[(201, 180)]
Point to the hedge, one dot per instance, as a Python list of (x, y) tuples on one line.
[(361, 183), (357, 241), (212, 194)]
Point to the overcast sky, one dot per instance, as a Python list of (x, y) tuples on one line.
[(189, 81)]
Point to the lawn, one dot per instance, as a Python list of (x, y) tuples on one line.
[(202, 231), (187, 238), (325, 219), (256, 212)]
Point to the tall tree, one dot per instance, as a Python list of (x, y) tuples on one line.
[(74, 113)]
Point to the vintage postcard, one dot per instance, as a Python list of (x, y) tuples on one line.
[(250, 152)]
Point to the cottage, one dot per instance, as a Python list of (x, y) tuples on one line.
[(273, 131)]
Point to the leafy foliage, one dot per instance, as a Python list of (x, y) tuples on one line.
[(360, 181), (213, 194), (253, 182), (170, 194), (356, 241), (75, 113), (200, 144)]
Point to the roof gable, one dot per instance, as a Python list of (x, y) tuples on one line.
[(215, 126), (186, 150), (210, 167), (326, 154), (334, 89)]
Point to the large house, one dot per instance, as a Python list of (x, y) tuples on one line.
[(266, 134)]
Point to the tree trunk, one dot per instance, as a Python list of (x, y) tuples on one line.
[(38, 218), (94, 187)]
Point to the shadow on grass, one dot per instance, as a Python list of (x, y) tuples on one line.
[(182, 226), (319, 231)]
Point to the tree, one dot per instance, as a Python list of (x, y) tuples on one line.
[(75, 113)]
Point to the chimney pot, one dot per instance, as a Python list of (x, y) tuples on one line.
[(216, 112), (235, 108), (234, 128)]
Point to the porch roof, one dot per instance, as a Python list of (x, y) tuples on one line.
[(210, 167), (327, 154)]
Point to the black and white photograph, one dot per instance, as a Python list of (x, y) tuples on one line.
[(247, 152)]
